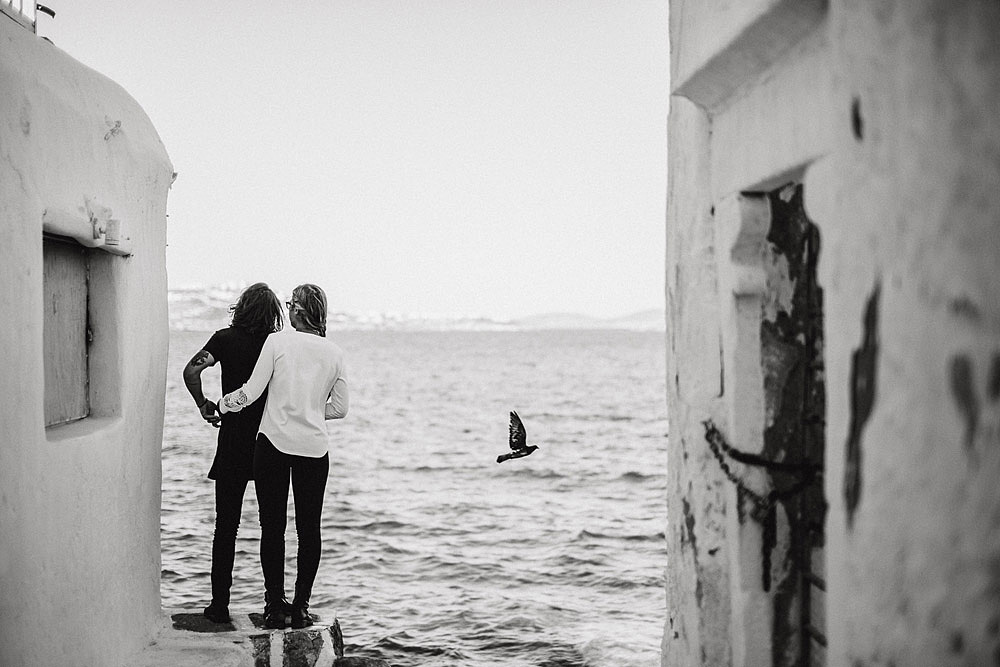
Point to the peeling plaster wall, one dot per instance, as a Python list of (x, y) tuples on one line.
[(912, 260), (889, 113), (697, 583), (79, 504)]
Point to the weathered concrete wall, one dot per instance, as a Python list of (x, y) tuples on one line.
[(698, 597), (889, 114), (911, 224), (79, 503), (734, 126)]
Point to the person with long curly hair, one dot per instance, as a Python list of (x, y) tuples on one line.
[(255, 315), (305, 376)]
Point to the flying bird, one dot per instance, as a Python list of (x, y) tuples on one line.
[(518, 446)]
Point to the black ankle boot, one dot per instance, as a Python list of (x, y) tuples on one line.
[(217, 613), (276, 611), (301, 618)]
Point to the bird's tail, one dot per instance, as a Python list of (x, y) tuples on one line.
[(503, 457)]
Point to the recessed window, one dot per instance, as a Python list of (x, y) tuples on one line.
[(82, 261), (66, 329)]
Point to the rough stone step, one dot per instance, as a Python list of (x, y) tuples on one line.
[(320, 645)]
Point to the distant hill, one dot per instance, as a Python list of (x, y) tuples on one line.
[(646, 320), (654, 319), (207, 309)]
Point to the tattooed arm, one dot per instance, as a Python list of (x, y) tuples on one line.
[(192, 380)]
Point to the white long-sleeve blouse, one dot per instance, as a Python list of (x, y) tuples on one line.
[(306, 379)]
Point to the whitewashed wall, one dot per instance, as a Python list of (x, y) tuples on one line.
[(79, 503), (889, 113)]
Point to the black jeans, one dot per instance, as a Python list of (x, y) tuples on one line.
[(271, 471), (228, 510)]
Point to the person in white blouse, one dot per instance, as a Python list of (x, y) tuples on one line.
[(306, 381)]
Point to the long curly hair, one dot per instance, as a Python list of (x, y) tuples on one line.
[(258, 311), (311, 302)]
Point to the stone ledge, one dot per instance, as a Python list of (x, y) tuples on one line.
[(187, 639)]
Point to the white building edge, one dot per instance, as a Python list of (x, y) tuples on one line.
[(83, 190), (833, 302)]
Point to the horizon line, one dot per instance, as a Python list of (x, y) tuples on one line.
[(237, 286)]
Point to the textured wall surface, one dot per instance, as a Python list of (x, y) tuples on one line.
[(888, 113), (912, 249), (698, 596), (79, 504)]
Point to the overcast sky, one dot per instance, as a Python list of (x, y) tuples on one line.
[(501, 158)]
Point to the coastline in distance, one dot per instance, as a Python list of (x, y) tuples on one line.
[(207, 309)]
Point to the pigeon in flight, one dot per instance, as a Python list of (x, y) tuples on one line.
[(518, 446)]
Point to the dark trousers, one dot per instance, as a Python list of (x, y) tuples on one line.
[(228, 510), (272, 470)]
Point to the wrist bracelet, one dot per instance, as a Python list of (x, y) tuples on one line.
[(202, 403)]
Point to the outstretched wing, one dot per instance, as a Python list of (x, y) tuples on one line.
[(518, 438)]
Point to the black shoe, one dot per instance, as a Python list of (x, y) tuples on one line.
[(276, 612), (217, 613), (278, 599), (301, 618)]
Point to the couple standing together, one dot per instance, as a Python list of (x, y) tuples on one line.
[(279, 389)]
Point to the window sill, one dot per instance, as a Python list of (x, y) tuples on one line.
[(81, 429)]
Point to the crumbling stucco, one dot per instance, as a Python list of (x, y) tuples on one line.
[(887, 113)]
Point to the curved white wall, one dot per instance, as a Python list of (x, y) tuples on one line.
[(79, 504)]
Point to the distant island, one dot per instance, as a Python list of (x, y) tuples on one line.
[(207, 309)]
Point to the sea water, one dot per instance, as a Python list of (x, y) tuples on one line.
[(433, 554)]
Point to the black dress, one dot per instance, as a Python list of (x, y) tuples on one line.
[(237, 351)]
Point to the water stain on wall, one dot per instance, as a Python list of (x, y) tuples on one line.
[(864, 362), (961, 373), (993, 387)]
